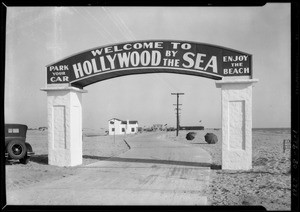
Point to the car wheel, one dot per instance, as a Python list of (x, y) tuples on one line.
[(24, 160), (16, 149)]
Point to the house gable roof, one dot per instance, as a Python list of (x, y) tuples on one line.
[(123, 122), (114, 119)]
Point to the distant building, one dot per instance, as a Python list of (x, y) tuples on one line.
[(191, 128), (157, 127), (119, 127)]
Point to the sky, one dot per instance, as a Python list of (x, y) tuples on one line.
[(39, 36)]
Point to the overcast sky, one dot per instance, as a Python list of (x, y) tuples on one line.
[(38, 36)]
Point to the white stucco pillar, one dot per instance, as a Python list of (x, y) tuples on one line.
[(64, 126), (236, 123)]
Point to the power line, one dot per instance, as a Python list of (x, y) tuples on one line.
[(177, 113), (118, 25), (101, 25), (90, 23)]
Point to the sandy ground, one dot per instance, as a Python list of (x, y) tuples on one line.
[(96, 146), (267, 184), (152, 172)]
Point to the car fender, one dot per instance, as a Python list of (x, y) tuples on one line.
[(28, 146)]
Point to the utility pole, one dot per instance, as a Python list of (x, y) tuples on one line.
[(177, 109)]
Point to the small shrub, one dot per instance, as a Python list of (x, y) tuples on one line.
[(211, 138)]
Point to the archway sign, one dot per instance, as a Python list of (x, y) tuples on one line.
[(231, 69)]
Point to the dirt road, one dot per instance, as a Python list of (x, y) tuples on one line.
[(153, 172)]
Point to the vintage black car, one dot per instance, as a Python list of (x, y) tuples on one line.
[(15, 145)]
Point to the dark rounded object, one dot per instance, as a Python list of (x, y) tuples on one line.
[(24, 160), (190, 136), (28, 147), (16, 149), (211, 138)]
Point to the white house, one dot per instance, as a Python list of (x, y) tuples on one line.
[(119, 127)]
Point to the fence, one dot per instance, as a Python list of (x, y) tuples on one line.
[(286, 144)]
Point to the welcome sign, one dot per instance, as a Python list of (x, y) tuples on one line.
[(150, 56)]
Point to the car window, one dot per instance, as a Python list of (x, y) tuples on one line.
[(13, 130)]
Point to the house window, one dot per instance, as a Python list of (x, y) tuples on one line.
[(112, 129), (132, 129), (123, 129), (111, 122)]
